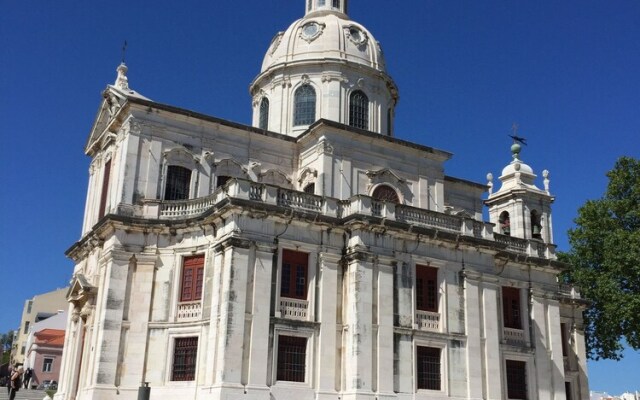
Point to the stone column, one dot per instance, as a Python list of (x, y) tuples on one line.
[(231, 328), (260, 311), (327, 316), (139, 315), (358, 349)]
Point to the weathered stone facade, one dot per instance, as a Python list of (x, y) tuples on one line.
[(282, 272)]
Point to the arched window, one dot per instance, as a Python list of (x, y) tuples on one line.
[(389, 124), (536, 226), (385, 193), (505, 223), (359, 110), (264, 114), (310, 188), (336, 3), (304, 112), (178, 182)]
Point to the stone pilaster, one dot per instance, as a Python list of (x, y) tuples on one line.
[(385, 347), (492, 331), (109, 312), (260, 311), (139, 314), (557, 360), (359, 341), (327, 298), (475, 336), (231, 328), (541, 343)]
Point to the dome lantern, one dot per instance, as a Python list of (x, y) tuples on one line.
[(326, 5)]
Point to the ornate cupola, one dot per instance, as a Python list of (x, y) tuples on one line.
[(324, 66), (519, 208)]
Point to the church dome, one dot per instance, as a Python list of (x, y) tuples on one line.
[(327, 36), (324, 66)]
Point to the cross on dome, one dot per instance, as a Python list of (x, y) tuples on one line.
[(326, 5)]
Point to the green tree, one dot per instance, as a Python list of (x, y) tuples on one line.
[(6, 341), (605, 259)]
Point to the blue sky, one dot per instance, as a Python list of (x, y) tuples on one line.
[(566, 72)]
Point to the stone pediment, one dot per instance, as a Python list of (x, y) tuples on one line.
[(80, 290), (275, 177)]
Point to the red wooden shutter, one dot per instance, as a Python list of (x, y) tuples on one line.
[(426, 288), (192, 278), (511, 309), (294, 277)]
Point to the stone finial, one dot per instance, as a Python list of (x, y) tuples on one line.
[(490, 182), (545, 174), (122, 82)]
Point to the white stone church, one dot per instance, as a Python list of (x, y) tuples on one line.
[(312, 255)]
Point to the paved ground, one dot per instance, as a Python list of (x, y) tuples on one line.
[(23, 394)]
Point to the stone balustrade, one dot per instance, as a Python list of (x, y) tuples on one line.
[(514, 337), (189, 311), (358, 205), (427, 321), (294, 308)]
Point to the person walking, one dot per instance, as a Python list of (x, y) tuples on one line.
[(16, 382)]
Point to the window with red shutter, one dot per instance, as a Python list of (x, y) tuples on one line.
[(192, 278), (511, 309), (426, 288), (293, 279)]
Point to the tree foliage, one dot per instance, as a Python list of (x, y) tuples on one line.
[(605, 255)]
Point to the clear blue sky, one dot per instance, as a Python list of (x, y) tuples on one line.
[(566, 71)]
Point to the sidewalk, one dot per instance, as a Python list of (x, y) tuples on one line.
[(23, 394)]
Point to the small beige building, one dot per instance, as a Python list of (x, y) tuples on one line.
[(36, 309), (312, 255)]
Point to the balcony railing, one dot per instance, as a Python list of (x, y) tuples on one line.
[(294, 308), (358, 205), (514, 337), (189, 311), (427, 321)]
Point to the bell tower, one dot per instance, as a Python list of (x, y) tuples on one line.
[(519, 208)]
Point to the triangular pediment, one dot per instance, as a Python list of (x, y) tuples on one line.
[(80, 290), (112, 103)]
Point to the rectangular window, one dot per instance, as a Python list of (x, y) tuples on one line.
[(178, 182), (192, 278), (47, 364), (293, 280), (563, 335), (184, 359), (511, 310), (105, 189), (567, 391), (26, 326), (516, 379), (426, 288), (23, 349), (428, 368), (292, 357), (29, 306)]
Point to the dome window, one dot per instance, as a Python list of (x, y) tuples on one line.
[(304, 109), (356, 36), (264, 114), (359, 110)]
